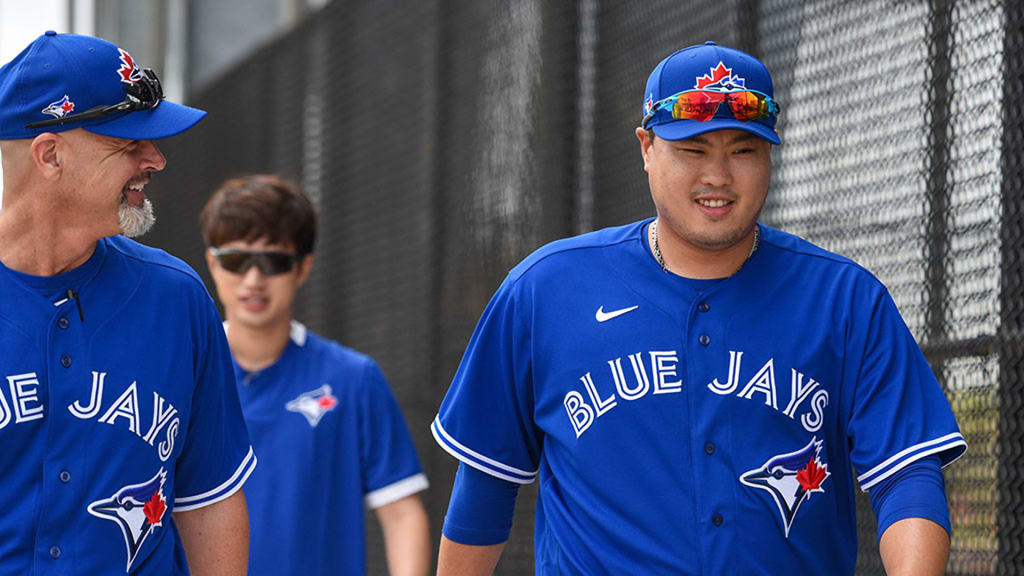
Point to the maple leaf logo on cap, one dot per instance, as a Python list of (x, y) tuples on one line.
[(721, 78)]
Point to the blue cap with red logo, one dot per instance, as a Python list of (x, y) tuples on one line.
[(715, 69), (66, 81)]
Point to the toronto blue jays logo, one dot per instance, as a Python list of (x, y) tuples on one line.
[(129, 70), (60, 108), (138, 509), (314, 404), (791, 479), (721, 79)]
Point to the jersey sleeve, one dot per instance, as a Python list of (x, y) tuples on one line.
[(899, 412), (391, 469), (216, 458), (486, 418)]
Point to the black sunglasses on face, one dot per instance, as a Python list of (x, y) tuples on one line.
[(144, 94), (269, 263)]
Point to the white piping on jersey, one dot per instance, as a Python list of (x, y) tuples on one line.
[(245, 468), (948, 441), (448, 442), (298, 332), (397, 490)]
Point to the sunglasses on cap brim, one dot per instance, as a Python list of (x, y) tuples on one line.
[(143, 94), (702, 105), (269, 263)]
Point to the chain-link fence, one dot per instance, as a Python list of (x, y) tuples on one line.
[(443, 141)]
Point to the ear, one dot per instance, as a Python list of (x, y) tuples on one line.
[(645, 146), (210, 260), (305, 267), (46, 156)]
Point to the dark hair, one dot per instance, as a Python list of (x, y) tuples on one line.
[(260, 206)]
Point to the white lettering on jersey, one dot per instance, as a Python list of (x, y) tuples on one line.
[(167, 446), (24, 389), (95, 396), (763, 382), (580, 413), (601, 405), (663, 365), (161, 416), (126, 406), (735, 358), (799, 392), (643, 384), (812, 422)]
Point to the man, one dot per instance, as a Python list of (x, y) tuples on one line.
[(322, 417), (124, 447), (694, 391)]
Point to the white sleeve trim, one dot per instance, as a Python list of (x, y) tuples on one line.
[(912, 454), (226, 489), (396, 491), (479, 461)]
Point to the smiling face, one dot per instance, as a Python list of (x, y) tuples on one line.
[(709, 189), (105, 179), (252, 299)]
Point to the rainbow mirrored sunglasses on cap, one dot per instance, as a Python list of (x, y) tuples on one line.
[(701, 105), (269, 263)]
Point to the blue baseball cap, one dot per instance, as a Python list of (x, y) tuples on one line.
[(707, 67), (60, 77)]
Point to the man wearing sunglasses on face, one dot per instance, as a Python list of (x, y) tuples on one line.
[(329, 433), (124, 448), (695, 391)]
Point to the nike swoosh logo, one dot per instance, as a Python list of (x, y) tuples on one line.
[(603, 316)]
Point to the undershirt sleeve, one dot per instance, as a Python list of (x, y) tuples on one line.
[(481, 508), (916, 491)]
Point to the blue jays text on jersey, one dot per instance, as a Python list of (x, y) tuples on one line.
[(693, 426), (118, 409), (332, 442)]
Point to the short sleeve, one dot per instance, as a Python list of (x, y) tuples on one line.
[(391, 470), (899, 412), (486, 418), (216, 458)]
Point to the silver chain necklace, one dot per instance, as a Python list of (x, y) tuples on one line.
[(661, 259)]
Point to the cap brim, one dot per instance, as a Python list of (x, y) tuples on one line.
[(683, 129), (165, 120)]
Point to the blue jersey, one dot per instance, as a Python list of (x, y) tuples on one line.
[(693, 427), (331, 439), (117, 408)]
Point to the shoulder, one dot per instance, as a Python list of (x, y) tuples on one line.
[(784, 251), (155, 263), (576, 253), (333, 358)]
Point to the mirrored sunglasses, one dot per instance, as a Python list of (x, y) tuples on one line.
[(269, 263), (702, 105)]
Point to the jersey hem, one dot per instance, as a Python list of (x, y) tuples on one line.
[(951, 442), (221, 492), (397, 490), (479, 461)]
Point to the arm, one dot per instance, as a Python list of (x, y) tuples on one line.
[(406, 536), (914, 546), (216, 537), (463, 560)]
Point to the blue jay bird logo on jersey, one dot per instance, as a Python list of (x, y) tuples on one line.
[(314, 404), (138, 509), (790, 479), (721, 79), (60, 108)]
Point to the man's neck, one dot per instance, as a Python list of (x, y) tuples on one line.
[(689, 261), (257, 348), (35, 243)]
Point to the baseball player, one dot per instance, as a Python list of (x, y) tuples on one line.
[(694, 392), (328, 430), (124, 447)]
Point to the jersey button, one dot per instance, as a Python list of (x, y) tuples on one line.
[(703, 307), (65, 476), (709, 448), (63, 323), (54, 552), (716, 519), (704, 340), (65, 361)]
